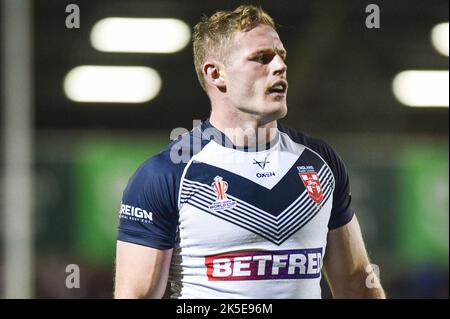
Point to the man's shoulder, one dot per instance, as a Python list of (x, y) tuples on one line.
[(316, 144), (161, 163), (172, 158)]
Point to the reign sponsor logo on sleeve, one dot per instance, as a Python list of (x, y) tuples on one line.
[(265, 265), (135, 213)]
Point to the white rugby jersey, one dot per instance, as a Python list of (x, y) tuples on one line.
[(244, 223)]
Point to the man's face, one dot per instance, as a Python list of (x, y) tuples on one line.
[(255, 74)]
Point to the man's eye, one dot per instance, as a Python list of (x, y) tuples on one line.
[(264, 58)]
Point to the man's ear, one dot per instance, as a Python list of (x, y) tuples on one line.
[(214, 75)]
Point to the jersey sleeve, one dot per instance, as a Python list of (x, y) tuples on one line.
[(148, 212), (342, 212)]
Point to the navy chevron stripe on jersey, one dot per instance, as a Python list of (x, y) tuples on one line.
[(207, 195), (276, 228), (253, 193), (274, 235), (190, 188)]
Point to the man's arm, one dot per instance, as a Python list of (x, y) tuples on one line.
[(345, 264), (141, 272)]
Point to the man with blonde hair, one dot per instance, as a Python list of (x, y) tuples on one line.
[(256, 209)]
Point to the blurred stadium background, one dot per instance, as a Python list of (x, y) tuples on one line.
[(65, 162)]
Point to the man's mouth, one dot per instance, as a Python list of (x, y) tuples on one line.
[(278, 88)]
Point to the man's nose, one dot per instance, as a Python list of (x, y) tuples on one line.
[(279, 66)]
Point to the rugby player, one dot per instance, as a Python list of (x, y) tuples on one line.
[(241, 206)]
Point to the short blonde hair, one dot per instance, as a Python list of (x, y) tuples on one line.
[(212, 34)]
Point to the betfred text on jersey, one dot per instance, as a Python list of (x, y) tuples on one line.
[(135, 213), (265, 265)]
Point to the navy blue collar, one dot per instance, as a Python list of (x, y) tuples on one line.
[(209, 132)]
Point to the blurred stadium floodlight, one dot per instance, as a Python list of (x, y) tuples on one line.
[(439, 38), (112, 84), (17, 192), (422, 88), (140, 35)]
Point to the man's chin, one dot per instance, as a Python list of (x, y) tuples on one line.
[(280, 110), (275, 113)]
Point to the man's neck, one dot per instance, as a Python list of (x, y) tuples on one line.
[(243, 131)]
